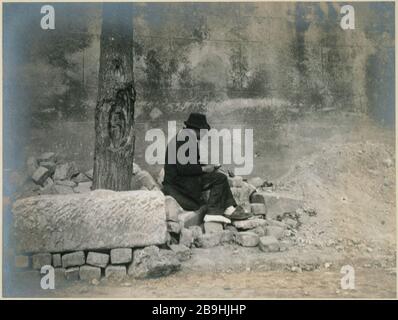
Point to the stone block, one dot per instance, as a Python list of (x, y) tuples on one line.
[(121, 255), (116, 273), (247, 239), (72, 274), (73, 259), (101, 219), (97, 259), (89, 273)]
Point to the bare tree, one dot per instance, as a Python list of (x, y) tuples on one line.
[(114, 113)]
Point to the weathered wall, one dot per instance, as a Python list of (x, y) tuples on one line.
[(261, 63)]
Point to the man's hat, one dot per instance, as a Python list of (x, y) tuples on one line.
[(197, 121)]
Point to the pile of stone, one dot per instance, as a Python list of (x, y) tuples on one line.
[(50, 176), (275, 218)]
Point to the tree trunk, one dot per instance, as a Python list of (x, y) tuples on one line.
[(114, 113)]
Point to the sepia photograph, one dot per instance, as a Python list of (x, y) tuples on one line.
[(199, 150)]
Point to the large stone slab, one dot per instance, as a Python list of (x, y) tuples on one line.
[(100, 219)]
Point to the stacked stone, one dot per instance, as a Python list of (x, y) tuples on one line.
[(115, 264), (51, 176)]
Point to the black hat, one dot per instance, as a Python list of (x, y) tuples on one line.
[(197, 121)]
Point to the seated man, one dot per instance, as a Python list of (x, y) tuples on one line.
[(186, 182)]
